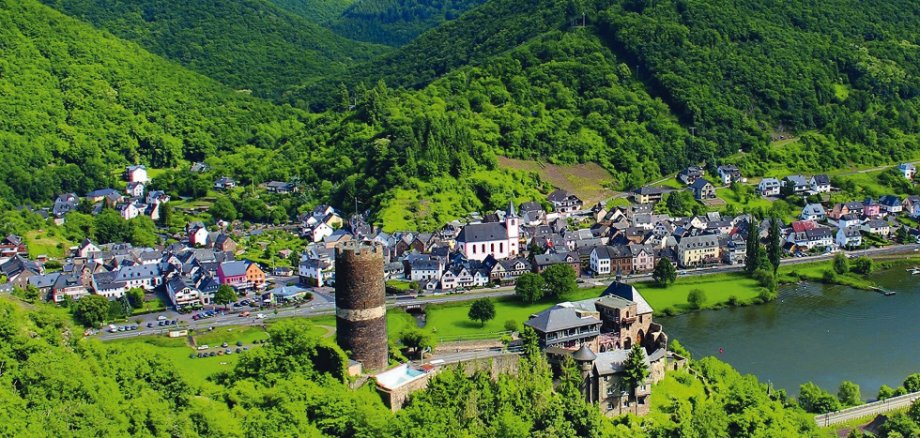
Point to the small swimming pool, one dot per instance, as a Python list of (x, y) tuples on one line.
[(399, 376)]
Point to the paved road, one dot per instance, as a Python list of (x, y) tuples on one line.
[(875, 408), (324, 301)]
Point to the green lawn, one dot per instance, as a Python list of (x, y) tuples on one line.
[(47, 242), (399, 285), (730, 197), (718, 288), (151, 306), (230, 335), (450, 321), (197, 370)]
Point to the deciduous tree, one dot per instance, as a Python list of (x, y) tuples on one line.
[(664, 273), (559, 280), (529, 287), (482, 310)]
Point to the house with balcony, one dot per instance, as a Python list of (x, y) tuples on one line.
[(768, 187), (566, 326)]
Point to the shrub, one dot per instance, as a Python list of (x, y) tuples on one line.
[(733, 301), (696, 298), (511, 325)]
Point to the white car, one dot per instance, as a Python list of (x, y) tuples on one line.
[(203, 347), (260, 316), (161, 318)]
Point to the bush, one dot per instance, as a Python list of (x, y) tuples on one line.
[(829, 276), (733, 301), (668, 311), (766, 295), (511, 325), (765, 278), (696, 298), (862, 265), (816, 400)]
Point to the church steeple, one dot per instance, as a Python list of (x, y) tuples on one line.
[(511, 212)]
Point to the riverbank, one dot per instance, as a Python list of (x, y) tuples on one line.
[(815, 332)]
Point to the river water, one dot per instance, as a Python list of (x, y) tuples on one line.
[(815, 332)]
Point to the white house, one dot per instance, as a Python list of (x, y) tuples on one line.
[(813, 212), (314, 272), (814, 238), (820, 184), (136, 174), (500, 240), (911, 206), (849, 220), (599, 260), (182, 292), (730, 174), (877, 226), (891, 204), (135, 189), (129, 211), (197, 234), (320, 232), (848, 237), (425, 268), (145, 276), (908, 170), (768, 187)]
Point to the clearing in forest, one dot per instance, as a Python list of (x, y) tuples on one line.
[(588, 181)]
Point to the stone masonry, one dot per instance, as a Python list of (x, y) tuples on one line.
[(361, 326)]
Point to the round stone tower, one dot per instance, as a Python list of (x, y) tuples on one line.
[(360, 303)]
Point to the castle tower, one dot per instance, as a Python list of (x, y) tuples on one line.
[(360, 303)]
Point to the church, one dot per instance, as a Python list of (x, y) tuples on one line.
[(498, 239)]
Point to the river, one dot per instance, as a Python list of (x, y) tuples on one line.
[(815, 332)]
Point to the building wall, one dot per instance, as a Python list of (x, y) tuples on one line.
[(360, 291)]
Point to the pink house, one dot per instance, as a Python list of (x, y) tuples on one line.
[(871, 208)]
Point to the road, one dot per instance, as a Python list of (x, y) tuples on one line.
[(324, 301), (874, 408)]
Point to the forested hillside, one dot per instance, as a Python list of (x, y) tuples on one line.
[(76, 104), (741, 72), (318, 11), (396, 22), (55, 383), (245, 44), (495, 27)]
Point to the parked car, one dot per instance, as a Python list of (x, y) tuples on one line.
[(161, 318), (260, 316)]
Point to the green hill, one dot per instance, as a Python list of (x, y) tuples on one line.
[(319, 11), (491, 29), (245, 44), (397, 22), (743, 72), (76, 103)]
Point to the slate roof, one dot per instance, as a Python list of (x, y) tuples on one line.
[(44, 281), (630, 293), (234, 269), (700, 183), (559, 317), (613, 361), (822, 180), (482, 232), (138, 271)]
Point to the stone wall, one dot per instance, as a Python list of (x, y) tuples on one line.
[(361, 303)]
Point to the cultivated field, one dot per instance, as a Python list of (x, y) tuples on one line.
[(587, 181)]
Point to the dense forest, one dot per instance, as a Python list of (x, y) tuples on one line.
[(642, 88), (55, 383), (245, 44), (318, 11), (742, 73), (396, 22)]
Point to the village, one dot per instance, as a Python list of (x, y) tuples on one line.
[(482, 251), (489, 249)]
